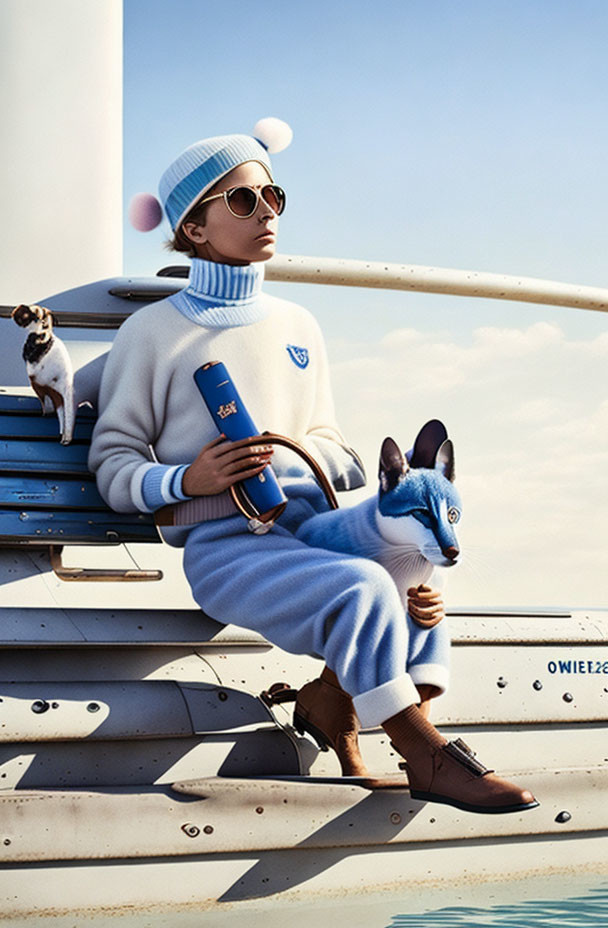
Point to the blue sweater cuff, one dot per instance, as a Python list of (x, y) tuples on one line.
[(162, 485)]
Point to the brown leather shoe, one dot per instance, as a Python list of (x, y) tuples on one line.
[(439, 771), (326, 711), (452, 775)]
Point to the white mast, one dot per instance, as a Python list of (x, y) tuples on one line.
[(61, 151)]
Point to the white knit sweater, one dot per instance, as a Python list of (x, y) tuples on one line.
[(150, 406)]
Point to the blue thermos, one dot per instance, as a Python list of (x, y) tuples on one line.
[(231, 417)]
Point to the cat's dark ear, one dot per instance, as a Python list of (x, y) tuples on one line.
[(392, 465), (445, 460), (430, 438)]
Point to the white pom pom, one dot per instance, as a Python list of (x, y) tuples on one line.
[(273, 133), (145, 212)]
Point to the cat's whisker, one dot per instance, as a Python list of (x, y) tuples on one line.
[(480, 558), (408, 550), (479, 568), (414, 560)]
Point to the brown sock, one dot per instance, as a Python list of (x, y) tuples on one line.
[(409, 729), (330, 677)]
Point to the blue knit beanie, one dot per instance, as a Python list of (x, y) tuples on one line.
[(200, 166)]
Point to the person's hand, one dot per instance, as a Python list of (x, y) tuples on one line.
[(222, 463), (425, 606)]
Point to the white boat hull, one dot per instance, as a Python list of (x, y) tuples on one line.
[(155, 778)]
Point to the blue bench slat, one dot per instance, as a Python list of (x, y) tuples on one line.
[(31, 525), (33, 455), (26, 404), (55, 492), (21, 404), (12, 426), (47, 494)]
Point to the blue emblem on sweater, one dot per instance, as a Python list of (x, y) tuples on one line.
[(299, 356)]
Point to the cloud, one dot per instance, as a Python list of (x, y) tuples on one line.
[(528, 412)]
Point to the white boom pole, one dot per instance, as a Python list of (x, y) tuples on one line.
[(348, 273)]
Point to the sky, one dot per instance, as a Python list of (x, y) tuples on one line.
[(466, 135)]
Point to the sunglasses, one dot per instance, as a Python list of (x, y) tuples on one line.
[(243, 201)]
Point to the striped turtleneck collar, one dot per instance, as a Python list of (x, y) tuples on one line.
[(222, 295)]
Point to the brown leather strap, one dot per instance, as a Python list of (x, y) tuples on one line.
[(244, 505), (271, 438), (278, 693)]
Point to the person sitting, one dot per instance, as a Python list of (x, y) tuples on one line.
[(155, 444)]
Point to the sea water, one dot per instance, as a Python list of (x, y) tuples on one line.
[(559, 901), (578, 911)]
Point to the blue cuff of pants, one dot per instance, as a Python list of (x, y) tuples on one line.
[(376, 706)]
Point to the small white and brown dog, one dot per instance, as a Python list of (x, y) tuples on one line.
[(48, 366)]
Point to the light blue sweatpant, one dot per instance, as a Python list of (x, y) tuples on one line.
[(343, 609)]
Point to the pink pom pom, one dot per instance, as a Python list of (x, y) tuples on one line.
[(145, 212)]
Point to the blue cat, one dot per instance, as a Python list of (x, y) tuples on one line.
[(409, 528)]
